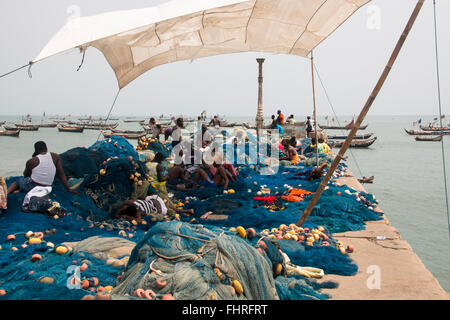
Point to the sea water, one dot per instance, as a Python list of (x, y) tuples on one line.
[(409, 180)]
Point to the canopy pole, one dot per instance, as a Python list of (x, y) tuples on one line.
[(315, 110), (363, 113), (259, 113)]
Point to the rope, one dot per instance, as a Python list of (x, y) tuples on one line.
[(109, 113), (332, 108), (29, 64), (82, 61), (440, 111)]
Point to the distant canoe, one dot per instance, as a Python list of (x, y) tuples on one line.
[(23, 127), (430, 138), (48, 125), (426, 133), (10, 133), (68, 128), (354, 143), (124, 135), (425, 128), (360, 136), (128, 131), (321, 126), (100, 126)]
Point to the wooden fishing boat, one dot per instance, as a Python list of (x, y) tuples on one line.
[(2, 123), (426, 133), (128, 131), (48, 125), (10, 133), (354, 143), (425, 128), (98, 126), (360, 136), (321, 126), (23, 127), (366, 180), (431, 138), (70, 128), (124, 135)]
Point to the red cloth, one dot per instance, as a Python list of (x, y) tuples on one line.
[(270, 199)]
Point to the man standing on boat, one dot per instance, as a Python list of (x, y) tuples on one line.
[(308, 126), (280, 118), (40, 171)]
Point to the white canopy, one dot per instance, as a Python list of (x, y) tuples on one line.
[(136, 41)]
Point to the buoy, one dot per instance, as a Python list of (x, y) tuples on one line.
[(160, 283), (61, 250), (94, 281), (168, 296), (36, 257), (238, 287), (2, 292), (34, 241), (350, 248), (14, 249), (83, 267), (47, 280), (149, 294), (84, 284), (231, 191), (278, 269), (251, 233), (241, 232), (88, 297), (11, 237), (29, 234), (108, 288), (139, 293)]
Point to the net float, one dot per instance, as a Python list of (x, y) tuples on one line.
[(350, 248), (83, 267), (47, 280), (29, 234), (61, 250), (108, 288), (102, 172), (11, 237), (139, 293), (36, 257), (237, 287), (251, 233), (278, 268), (160, 283), (241, 232), (2, 292), (168, 296), (88, 297), (149, 294), (84, 284), (39, 235), (34, 241)]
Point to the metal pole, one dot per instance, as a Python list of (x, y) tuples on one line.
[(363, 113), (260, 114), (315, 111)]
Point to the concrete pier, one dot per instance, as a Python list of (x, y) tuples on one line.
[(387, 269)]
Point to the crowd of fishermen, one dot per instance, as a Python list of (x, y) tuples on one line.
[(198, 165)]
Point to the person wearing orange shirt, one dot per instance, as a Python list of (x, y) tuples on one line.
[(280, 118)]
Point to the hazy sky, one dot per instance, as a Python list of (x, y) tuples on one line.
[(349, 62)]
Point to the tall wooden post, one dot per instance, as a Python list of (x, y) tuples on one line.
[(260, 114), (315, 110), (363, 113)]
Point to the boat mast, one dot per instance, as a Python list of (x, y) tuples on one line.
[(315, 111), (363, 113)]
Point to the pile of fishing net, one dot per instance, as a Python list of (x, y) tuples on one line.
[(183, 261), (338, 209)]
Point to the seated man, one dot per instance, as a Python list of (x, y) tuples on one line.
[(322, 147), (291, 152), (156, 169), (179, 177), (40, 171), (219, 176), (312, 174)]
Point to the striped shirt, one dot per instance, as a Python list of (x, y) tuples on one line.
[(151, 204)]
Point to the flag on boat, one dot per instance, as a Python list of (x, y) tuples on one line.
[(350, 125)]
